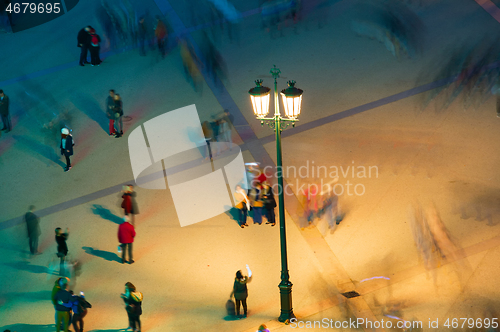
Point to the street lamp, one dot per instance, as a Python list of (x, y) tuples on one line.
[(292, 98)]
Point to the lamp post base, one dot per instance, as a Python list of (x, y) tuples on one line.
[(286, 301)]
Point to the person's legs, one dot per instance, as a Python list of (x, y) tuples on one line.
[(61, 266), (498, 106), (244, 302), (238, 304), (124, 247), (257, 215), (131, 323), (68, 161), (75, 321), (121, 124), (83, 55), (131, 260), (111, 126)]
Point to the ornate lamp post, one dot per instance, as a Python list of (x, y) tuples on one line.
[(292, 98)]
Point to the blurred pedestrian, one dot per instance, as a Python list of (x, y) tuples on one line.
[(95, 40), (225, 133), (118, 109), (133, 306), (128, 205), (62, 248), (269, 203), (496, 91), (33, 226), (161, 35), (110, 112), (240, 291), (4, 112), (191, 64), (126, 235), (63, 313), (142, 36), (83, 39), (242, 204), (66, 146), (207, 132), (257, 203)]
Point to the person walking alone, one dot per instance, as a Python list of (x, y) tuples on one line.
[(94, 48), (133, 306), (4, 112), (110, 112), (67, 144), (240, 292), (126, 235), (62, 248), (161, 35), (118, 109), (83, 39), (33, 225)]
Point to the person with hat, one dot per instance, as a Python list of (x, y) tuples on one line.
[(67, 144)]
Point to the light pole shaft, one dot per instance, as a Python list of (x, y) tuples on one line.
[(285, 284)]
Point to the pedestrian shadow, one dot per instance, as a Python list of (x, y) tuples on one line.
[(25, 266), (106, 214), (42, 152), (107, 255), (233, 213), (29, 328), (108, 330), (28, 296), (92, 109)]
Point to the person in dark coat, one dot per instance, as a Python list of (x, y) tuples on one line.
[(67, 147), (79, 306), (83, 39), (110, 112), (118, 109), (142, 35), (126, 235), (4, 112), (133, 305), (240, 291), (62, 248), (269, 203), (33, 226), (94, 47)]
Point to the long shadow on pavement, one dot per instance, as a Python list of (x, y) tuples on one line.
[(28, 328), (92, 109), (25, 266), (43, 152), (106, 214), (107, 255)]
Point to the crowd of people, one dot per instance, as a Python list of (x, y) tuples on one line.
[(259, 198)]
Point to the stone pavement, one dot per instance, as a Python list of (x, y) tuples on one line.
[(187, 273)]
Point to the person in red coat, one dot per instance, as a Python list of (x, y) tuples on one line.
[(126, 234)]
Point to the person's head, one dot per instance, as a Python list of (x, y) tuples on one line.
[(31, 208), (1, 93), (111, 93), (58, 230), (63, 282), (141, 20), (265, 184), (64, 132), (130, 287), (126, 218), (263, 327), (238, 187), (130, 188), (87, 28), (117, 96), (239, 275)]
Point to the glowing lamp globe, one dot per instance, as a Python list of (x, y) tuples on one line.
[(260, 97), (292, 100)]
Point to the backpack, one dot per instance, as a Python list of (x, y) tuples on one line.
[(95, 41)]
